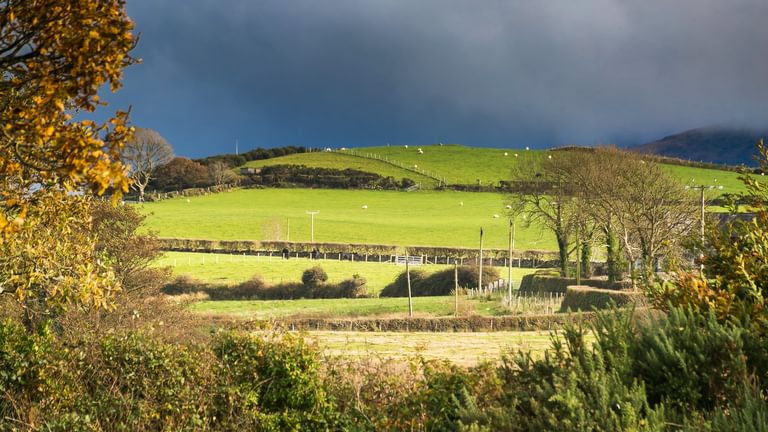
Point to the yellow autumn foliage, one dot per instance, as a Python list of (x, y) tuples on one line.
[(55, 57)]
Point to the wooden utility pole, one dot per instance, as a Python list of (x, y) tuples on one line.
[(455, 289), (703, 205), (312, 214), (408, 279), (578, 256), (509, 263), (480, 272)]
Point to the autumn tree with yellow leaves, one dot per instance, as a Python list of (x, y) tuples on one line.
[(55, 56)]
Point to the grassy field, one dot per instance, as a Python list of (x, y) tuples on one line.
[(460, 348), (343, 161), (432, 218), (345, 308), (225, 269), (708, 177), (423, 218)]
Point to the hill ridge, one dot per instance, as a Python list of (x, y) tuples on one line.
[(713, 144)]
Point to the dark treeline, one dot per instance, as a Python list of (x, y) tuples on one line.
[(300, 175), (236, 160)]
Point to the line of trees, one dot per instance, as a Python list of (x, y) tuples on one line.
[(293, 175), (153, 166), (605, 195), (236, 160)]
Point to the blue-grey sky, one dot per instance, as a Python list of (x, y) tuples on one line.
[(491, 73)]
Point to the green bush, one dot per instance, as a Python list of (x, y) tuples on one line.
[(399, 287), (143, 384), (24, 360), (691, 361), (584, 298), (118, 382), (183, 285), (270, 383), (253, 288), (353, 288), (313, 277), (437, 284)]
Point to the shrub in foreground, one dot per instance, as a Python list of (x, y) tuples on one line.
[(685, 369)]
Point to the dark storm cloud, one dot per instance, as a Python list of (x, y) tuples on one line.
[(486, 73)]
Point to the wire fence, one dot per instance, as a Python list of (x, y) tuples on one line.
[(521, 302), (412, 168)]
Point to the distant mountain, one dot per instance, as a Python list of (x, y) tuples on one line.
[(730, 146)]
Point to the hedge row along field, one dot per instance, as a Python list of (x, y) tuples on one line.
[(353, 252), (425, 324), (585, 298)]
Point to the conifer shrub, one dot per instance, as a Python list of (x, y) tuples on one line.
[(573, 388), (690, 361)]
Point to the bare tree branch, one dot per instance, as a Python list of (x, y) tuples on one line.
[(144, 153)]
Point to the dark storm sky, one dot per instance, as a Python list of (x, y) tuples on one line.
[(492, 73)]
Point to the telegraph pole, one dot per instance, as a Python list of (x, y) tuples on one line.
[(509, 263), (480, 272), (702, 188), (312, 214)]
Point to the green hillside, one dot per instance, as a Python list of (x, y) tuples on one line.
[(424, 218), (466, 165), (458, 164), (434, 218)]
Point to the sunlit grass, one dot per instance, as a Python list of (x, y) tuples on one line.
[(431, 218), (460, 348), (224, 269)]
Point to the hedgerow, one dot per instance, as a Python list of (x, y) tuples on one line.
[(314, 285), (437, 284)]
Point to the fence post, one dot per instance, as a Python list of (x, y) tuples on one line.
[(455, 290)]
